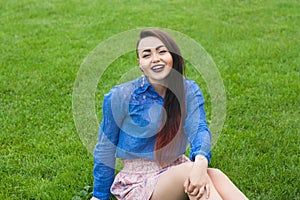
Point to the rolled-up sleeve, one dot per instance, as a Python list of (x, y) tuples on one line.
[(196, 127)]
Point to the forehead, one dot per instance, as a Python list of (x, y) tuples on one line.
[(149, 43)]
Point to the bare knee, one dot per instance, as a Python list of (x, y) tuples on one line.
[(214, 172)]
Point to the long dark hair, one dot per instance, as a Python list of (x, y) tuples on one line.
[(169, 138)]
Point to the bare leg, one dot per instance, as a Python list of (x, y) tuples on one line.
[(170, 184), (224, 186)]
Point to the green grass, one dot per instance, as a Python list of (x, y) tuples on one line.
[(255, 45)]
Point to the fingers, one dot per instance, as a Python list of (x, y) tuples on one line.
[(202, 191), (186, 185), (207, 187), (199, 192), (191, 188), (196, 191)]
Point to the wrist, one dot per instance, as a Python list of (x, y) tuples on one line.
[(201, 160)]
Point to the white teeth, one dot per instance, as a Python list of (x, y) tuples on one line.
[(157, 67)]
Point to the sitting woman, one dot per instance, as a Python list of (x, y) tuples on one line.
[(148, 123)]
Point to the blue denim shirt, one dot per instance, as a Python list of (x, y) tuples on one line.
[(131, 119)]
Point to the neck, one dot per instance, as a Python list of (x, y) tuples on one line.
[(159, 86), (160, 89)]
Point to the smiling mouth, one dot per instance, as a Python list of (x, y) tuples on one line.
[(157, 68)]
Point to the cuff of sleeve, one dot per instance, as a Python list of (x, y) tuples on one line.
[(101, 192), (101, 196), (194, 154)]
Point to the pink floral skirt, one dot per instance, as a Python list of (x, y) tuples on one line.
[(137, 179)]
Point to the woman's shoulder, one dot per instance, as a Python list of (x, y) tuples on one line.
[(190, 85), (192, 91), (125, 89)]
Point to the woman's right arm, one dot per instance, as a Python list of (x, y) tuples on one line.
[(196, 127), (104, 153)]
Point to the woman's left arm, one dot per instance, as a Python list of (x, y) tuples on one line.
[(199, 137), (195, 125)]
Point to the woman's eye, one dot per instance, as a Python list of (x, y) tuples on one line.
[(145, 55), (162, 51)]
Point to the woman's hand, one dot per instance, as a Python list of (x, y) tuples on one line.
[(197, 182)]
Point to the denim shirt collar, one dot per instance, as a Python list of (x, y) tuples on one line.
[(143, 85)]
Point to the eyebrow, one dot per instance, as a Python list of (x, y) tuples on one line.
[(148, 50)]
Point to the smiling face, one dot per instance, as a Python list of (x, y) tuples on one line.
[(154, 59)]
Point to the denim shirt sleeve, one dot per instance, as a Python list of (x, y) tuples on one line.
[(104, 153), (195, 126)]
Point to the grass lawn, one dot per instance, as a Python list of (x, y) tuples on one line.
[(255, 45)]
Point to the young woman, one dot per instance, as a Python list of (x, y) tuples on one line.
[(148, 123)]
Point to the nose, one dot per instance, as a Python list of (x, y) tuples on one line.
[(155, 57)]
